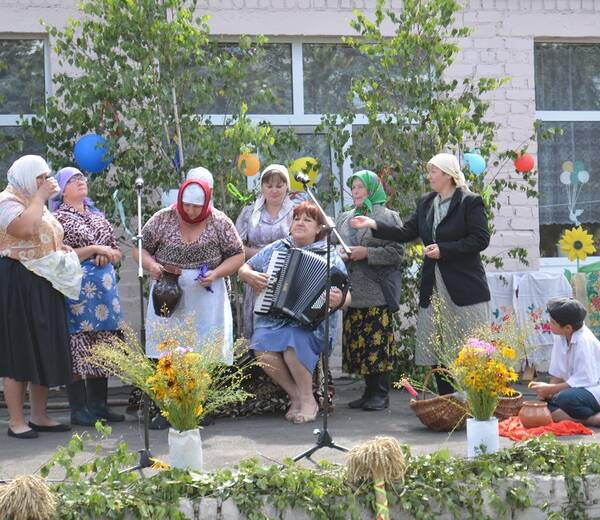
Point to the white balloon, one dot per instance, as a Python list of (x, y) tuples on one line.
[(583, 176), (565, 178)]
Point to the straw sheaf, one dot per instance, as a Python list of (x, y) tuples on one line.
[(27, 498), (379, 458)]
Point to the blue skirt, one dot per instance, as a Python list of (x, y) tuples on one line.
[(303, 341)]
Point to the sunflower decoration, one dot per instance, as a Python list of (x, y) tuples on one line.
[(577, 243)]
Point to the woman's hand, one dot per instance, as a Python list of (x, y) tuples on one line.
[(155, 271), (66, 248), (209, 278), (48, 189), (258, 281), (101, 260), (363, 223), (359, 253), (335, 298), (432, 251)]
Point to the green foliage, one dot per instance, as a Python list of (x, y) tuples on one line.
[(434, 484), (141, 74)]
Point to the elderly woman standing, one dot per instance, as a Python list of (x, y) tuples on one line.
[(368, 337), (96, 315), (203, 243), (36, 271), (452, 223), (264, 222)]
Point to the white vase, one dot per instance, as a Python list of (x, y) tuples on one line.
[(185, 449), (482, 437)]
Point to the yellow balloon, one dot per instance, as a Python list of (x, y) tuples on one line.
[(302, 165), (567, 166)]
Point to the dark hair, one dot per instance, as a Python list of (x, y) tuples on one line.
[(309, 208), (567, 311), (269, 175)]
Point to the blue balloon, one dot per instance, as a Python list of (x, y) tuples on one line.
[(91, 153), (475, 162)]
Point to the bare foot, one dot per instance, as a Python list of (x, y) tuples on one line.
[(43, 420), (308, 412), (293, 410), (20, 427)]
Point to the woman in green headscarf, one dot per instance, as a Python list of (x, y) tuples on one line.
[(368, 337)]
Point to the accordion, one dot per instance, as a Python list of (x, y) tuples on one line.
[(297, 286)]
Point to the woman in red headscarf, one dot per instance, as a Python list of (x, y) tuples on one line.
[(200, 241)]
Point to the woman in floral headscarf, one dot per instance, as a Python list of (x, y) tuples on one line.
[(95, 315), (36, 271), (368, 339), (452, 223)]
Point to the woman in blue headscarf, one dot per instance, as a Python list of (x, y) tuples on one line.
[(96, 315)]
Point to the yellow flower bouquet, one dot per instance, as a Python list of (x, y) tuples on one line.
[(484, 372), (188, 381)]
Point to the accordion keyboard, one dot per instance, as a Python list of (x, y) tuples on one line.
[(265, 299)]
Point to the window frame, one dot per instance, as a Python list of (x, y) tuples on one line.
[(565, 116)]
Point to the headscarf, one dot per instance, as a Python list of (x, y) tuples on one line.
[(63, 176), (196, 192), (260, 201), (448, 163), (201, 174), (375, 192), (23, 173)]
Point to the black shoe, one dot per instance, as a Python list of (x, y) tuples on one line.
[(29, 434), (159, 423), (97, 392), (370, 385), (49, 429), (380, 399), (80, 414)]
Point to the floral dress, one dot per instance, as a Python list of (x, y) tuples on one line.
[(211, 310), (96, 316), (265, 232)]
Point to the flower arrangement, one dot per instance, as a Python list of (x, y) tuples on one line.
[(188, 381), (483, 371)]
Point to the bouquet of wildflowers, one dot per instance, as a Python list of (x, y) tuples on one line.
[(483, 371), (188, 381)]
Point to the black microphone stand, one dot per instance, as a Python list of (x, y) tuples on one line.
[(324, 439), (145, 454)]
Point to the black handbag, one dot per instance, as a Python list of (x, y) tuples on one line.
[(389, 279)]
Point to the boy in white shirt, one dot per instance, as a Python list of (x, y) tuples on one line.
[(574, 389)]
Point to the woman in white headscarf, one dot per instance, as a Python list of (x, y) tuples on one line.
[(36, 271), (266, 220), (453, 226)]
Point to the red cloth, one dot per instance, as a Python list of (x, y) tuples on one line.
[(206, 209), (513, 429)]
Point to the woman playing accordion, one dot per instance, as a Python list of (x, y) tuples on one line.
[(288, 351)]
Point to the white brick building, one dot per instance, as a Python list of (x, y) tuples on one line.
[(549, 48)]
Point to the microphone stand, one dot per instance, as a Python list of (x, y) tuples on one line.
[(324, 439), (145, 454)]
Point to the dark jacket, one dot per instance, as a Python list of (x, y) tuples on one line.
[(461, 235)]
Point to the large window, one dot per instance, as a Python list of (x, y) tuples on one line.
[(309, 79), (567, 79), (22, 92)]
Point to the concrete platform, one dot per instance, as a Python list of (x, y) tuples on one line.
[(269, 438)]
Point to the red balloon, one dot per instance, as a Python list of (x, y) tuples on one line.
[(524, 163)]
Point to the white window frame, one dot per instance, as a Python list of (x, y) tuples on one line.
[(559, 264)]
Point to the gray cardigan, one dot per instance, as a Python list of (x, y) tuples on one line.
[(365, 291)]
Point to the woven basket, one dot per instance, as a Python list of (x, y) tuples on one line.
[(443, 413), (509, 406)]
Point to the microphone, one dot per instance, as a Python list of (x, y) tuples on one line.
[(139, 184), (300, 177)]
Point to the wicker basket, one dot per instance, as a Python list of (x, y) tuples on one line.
[(443, 413), (509, 406)]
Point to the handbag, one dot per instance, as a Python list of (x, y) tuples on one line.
[(389, 279)]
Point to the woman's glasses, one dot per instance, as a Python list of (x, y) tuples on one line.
[(77, 177)]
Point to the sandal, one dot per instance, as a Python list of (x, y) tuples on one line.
[(301, 418)]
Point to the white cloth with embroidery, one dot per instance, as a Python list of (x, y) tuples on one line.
[(61, 269)]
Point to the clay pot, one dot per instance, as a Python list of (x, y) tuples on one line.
[(534, 414), (167, 292)]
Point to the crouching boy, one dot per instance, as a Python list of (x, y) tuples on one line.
[(574, 389)]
